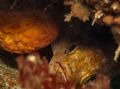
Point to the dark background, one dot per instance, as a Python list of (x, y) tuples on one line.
[(97, 35)]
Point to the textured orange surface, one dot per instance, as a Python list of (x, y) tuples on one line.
[(24, 31)]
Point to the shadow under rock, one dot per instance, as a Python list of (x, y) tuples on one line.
[(8, 58)]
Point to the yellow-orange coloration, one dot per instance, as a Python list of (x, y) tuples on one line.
[(25, 31), (79, 65)]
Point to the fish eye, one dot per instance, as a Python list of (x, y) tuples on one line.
[(90, 78)]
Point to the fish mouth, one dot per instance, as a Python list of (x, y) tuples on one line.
[(57, 68), (62, 70)]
